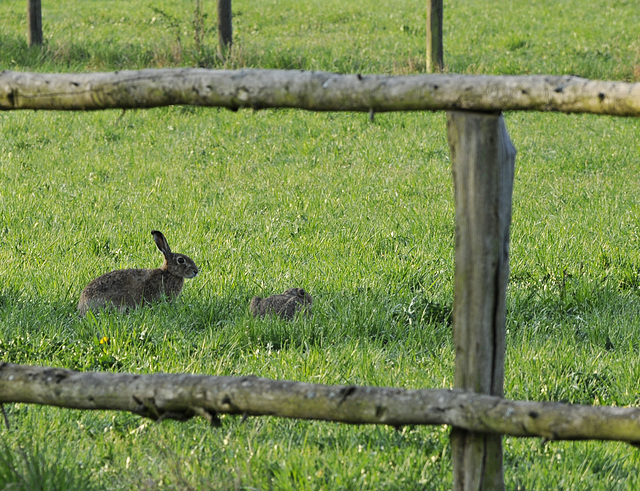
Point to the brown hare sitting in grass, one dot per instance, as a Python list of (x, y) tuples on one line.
[(129, 288), (284, 305)]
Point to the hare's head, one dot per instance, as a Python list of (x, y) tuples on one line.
[(300, 294), (176, 264)]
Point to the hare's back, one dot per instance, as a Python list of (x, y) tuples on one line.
[(120, 287)]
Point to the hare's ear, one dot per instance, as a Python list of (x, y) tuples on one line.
[(161, 242)]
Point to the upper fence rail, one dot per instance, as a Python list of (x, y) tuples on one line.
[(315, 91)]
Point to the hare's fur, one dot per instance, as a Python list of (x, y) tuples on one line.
[(129, 288), (284, 305)]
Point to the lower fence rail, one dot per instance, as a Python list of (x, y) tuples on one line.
[(182, 396)]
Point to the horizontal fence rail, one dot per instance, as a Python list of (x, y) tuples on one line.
[(182, 396), (317, 91)]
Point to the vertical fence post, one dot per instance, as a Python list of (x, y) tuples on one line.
[(435, 62), (225, 28), (34, 14), (483, 163)]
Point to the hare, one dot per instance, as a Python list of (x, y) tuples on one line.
[(128, 288), (284, 305)]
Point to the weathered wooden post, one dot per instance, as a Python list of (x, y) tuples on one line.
[(435, 62), (483, 161), (34, 14), (225, 27)]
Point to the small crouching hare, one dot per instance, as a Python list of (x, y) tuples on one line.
[(284, 305), (129, 288)]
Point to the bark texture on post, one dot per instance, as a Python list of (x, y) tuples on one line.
[(34, 14), (435, 62), (483, 160), (225, 28)]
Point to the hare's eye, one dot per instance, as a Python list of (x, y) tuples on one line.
[(180, 260)]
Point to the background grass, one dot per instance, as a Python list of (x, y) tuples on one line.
[(359, 213)]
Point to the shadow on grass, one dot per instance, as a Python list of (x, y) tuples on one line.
[(75, 56), (33, 469), (593, 311)]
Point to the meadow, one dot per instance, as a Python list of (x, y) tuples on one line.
[(359, 213)]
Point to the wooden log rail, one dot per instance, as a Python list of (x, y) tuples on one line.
[(182, 396), (316, 91)]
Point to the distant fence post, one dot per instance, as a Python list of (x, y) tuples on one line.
[(483, 162), (435, 62), (34, 14), (225, 28)]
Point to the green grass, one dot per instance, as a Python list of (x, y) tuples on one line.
[(358, 213), (546, 37)]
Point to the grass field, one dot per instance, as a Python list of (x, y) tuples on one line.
[(358, 213)]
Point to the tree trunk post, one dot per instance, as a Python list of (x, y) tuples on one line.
[(483, 163), (435, 63), (34, 14), (225, 29)]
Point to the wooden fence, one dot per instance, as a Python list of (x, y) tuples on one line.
[(483, 160)]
